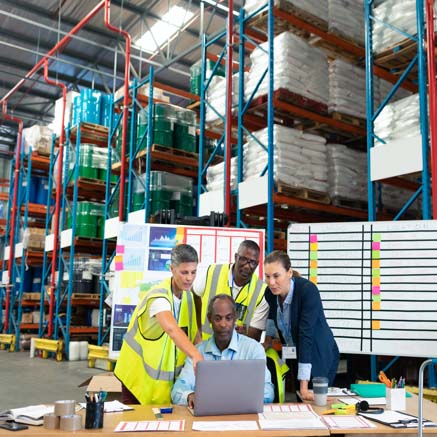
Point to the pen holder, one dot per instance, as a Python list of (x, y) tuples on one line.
[(396, 399), (94, 415)]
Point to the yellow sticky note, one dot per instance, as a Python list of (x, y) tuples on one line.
[(376, 324), (126, 300), (313, 279), (376, 306), (376, 264), (130, 279), (376, 281), (180, 235), (314, 246), (313, 264)]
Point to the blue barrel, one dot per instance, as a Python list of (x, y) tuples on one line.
[(75, 113), (105, 109), (90, 105), (27, 282), (43, 189), (36, 279), (33, 189)]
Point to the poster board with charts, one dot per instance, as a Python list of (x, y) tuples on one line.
[(377, 280), (143, 258)]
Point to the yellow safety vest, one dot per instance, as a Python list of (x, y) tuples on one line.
[(278, 378), (149, 361), (248, 298)]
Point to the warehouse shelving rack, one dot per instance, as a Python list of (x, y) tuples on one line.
[(416, 60)]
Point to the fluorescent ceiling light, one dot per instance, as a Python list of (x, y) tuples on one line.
[(165, 29), (217, 5)]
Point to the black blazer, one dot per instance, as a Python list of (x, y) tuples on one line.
[(313, 337)]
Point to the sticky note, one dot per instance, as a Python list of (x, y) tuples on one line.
[(118, 258), (376, 281), (376, 263), (376, 298), (376, 272), (313, 255), (313, 279), (126, 300), (313, 272), (376, 324), (119, 248), (130, 279), (314, 246), (313, 238), (376, 237), (314, 264), (376, 254), (376, 245), (118, 267), (376, 306), (376, 289)]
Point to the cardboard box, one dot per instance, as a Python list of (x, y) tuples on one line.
[(106, 382), (26, 318)]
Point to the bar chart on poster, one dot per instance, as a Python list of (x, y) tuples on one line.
[(142, 260), (377, 281)]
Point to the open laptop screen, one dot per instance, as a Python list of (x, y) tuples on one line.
[(229, 387)]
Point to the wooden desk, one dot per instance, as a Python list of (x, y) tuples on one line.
[(145, 413)]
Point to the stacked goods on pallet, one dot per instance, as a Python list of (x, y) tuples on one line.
[(299, 158), (216, 97), (402, 18), (34, 238), (91, 106), (215, 176), (38, 190), (196, 74), (394, 198), (39, 138), (346, 18), (347, 89), (399, 119), (315, 8), (184, 133), (167, 191), (85, 275), (383, 87), (89, 219), (93, 162), (347, 173), (299, 68)]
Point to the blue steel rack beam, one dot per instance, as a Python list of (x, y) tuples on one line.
[(424, 190)]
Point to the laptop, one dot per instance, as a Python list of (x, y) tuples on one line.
[(229, 387)]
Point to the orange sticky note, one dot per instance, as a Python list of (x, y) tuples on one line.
[(118, 258), (376, 324), (313, 279), (376, 306), (376, 281), (376, 264), (313, 264)]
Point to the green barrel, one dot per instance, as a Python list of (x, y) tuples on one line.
[(157, 205), (184, 137), (137, 201), (87, 168), (160, 195)]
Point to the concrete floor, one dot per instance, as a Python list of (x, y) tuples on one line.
[(28, 381)]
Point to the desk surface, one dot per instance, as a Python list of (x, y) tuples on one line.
[(145, 413)]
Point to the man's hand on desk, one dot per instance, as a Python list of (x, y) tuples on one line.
[(190, 400)]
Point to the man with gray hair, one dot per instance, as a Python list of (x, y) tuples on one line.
[(240, 281), (149, 362)]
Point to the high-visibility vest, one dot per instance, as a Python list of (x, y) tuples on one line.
[(149, 361), (247, 300), (278, 377)]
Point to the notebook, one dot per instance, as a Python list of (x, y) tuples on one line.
[(229, 387)]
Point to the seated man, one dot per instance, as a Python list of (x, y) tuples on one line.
[(225, 344)]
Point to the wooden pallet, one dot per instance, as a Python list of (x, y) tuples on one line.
[(304, 193), (397, 57), (343, 202), (173, 151), (31, 296), (333, 51), (85, 296), (349, 119), (91, 133)]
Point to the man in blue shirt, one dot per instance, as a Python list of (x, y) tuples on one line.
[(225, 344)]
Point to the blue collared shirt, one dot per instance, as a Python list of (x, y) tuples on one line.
[(240, 348), (284, 325)]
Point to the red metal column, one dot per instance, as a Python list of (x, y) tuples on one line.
[(125, 107), (58, 196), (6, 116), (229, 70), (432, 90)]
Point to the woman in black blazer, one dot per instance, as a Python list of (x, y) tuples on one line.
[(296, 315)]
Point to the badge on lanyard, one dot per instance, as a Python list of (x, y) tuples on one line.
[(241, 311), (289, 352)]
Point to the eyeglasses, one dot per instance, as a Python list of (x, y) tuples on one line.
[(252, 262)]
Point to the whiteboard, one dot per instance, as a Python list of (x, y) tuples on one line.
[(142, 260), (377, 281)]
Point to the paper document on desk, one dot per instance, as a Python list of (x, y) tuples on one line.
[(222, 425), (356, 399), (151, 425), (347, 422), (295, 416), (112, 406), (396, 419)]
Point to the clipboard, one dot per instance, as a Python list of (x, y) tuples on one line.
[(398, 419)]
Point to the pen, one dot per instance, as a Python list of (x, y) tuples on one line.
[(157, 413)]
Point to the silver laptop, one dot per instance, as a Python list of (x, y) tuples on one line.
[(229, 387)]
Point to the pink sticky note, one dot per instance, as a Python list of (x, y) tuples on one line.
[(376, 289), (376, 245), (313, 238), (118, 267), (120, 248)]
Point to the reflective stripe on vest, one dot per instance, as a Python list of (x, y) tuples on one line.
[(281, 370)]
